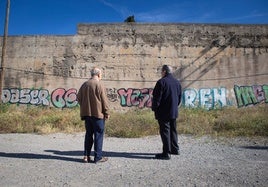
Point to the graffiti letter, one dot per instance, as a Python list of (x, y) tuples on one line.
[(135, 97), (43, 97), (15, 96), (245, 95), (189, 97), (258, 92), (145, 97), (57, 98), (34, 95), (71, 98), (206, 98), (6, 96), (25, 96), (125, 96), (219, 97)]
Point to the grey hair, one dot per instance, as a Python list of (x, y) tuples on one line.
[(95, 71), (167, 68)]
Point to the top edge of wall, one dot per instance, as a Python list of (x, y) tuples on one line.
[(89, 28)]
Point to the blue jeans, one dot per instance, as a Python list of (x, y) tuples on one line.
[(94, 126)]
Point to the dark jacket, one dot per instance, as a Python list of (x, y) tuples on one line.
[(166, 98)]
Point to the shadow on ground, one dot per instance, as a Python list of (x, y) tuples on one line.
[(66, 155)]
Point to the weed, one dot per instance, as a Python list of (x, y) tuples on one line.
[(248, 121)]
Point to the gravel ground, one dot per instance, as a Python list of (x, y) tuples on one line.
[(55, 160)]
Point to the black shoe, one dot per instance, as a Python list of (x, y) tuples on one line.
[(87, 159), (175, 152), (162, 156)]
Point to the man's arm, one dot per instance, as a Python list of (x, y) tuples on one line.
[(79, 95), (179, 94), (104, 100), (157, 95)]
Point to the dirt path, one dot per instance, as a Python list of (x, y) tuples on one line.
[(55, 160)]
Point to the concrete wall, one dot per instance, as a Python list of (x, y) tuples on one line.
[(218, 65)]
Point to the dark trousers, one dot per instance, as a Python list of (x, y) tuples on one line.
[(169, 136), (94, 126)]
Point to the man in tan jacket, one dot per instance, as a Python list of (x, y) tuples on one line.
[(94, 110)]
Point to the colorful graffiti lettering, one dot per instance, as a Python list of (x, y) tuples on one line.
[(208, 98), (205, 98), (251, 95), (61, 98), (135, 97), (25, 96)]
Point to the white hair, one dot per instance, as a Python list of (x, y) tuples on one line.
[(95, 71)]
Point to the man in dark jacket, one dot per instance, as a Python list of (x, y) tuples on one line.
[(165, 103)]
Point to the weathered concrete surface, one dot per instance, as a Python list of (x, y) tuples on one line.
[(203, 56)]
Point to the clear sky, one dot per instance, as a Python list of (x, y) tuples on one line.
[(60, 17)]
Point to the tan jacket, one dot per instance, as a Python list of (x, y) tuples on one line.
[(93, 99)]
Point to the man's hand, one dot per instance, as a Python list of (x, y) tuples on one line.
[(106, 116)]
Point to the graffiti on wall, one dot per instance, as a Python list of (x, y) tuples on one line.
[(251, 95), (59, 98), (205, 98), (26, 96), (135, 97), (208, 98), (62, 98), (112, 95)]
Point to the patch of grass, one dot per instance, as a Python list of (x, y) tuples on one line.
[(4, 108), (251, 121), (195, 121), (230, 122), (43, 120), (134, 123)]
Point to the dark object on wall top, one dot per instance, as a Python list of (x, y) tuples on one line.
[(130, 19)]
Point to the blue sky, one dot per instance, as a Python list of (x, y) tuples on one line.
[(60, 17)]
